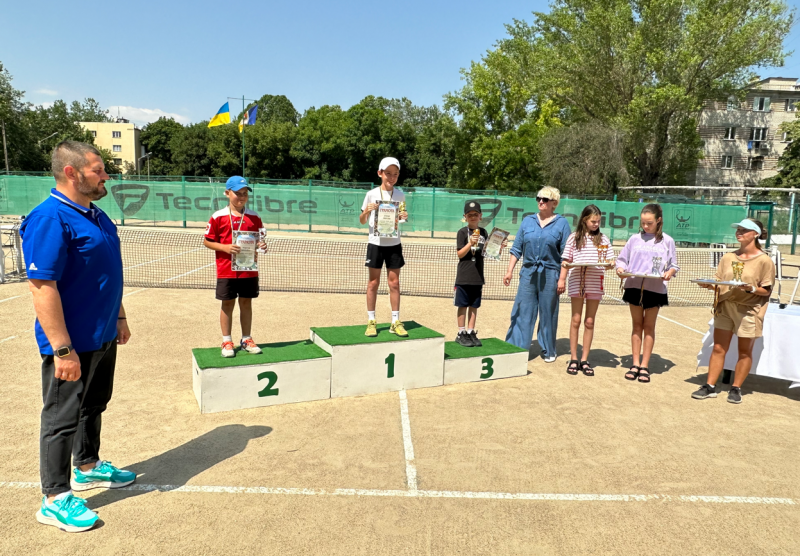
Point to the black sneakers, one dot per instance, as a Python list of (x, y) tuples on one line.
[(474, 337), (735, 395), (464, 339), (705, 391)]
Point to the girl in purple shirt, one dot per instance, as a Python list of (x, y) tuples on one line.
[(646, 296)]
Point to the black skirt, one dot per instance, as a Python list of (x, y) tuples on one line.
[(644, 298)]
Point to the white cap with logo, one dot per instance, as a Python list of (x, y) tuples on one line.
[(388, 161)]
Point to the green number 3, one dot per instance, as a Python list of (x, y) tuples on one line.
[(269, 390), (487, 366)]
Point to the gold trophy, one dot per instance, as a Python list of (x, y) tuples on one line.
[(401, 208), (476, 233), (738, 269), (602, 254)]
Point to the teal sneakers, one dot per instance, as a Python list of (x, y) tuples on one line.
[(67, 513), (104, 475)]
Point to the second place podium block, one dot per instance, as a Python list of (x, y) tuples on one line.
[(386, 363)]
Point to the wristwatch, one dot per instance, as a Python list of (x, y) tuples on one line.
[(63, 351)]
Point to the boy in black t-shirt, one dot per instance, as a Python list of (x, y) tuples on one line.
[(469, 276)]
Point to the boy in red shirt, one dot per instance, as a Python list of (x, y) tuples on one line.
[(232, 281)]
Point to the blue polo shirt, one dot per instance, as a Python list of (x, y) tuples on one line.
[(79, 249), (541, 248)]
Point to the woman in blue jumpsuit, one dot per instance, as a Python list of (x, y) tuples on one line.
[(539, 243)]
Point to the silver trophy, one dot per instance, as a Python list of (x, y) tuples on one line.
[(262, 238), (656, 271)]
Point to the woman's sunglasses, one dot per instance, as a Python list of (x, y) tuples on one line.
[(542, 199)]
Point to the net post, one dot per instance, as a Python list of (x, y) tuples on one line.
[(433, 210), (183, 193)]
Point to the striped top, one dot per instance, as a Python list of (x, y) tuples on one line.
[(585, 280)]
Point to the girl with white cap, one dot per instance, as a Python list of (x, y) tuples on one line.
[(740, 309)]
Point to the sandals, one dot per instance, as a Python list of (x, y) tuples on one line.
[(573, 367), (587, 368), (633, 373), (644, 373)]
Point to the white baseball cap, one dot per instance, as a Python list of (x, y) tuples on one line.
[(747, 225), (388, 161)]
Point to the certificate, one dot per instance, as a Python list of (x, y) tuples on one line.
[(244, 260), (386, 220), (491, 249)]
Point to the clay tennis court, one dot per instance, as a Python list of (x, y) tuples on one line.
[(542, 464)]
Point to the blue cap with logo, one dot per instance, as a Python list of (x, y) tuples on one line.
[(235, 183)]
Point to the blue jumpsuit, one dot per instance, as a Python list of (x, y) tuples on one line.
[(539, 251)]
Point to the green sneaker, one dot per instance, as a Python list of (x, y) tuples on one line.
[(68, 513), (372, 329), (103, 475)]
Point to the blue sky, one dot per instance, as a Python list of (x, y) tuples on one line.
[(185, 58)]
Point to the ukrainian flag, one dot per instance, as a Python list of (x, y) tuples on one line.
[(223, 116)]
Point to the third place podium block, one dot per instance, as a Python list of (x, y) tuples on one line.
[(284, 372), (363, 365), (495, 359)]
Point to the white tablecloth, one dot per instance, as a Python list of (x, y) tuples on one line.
[(772, 354)]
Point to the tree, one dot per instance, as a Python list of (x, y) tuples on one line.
[(22, 151), (158, 138), (274, 108), (320, 146), (646, 66), (269, 151), (789, 162), (190, 156), (584, 158)]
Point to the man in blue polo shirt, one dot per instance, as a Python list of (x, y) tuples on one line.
[(74, 264)]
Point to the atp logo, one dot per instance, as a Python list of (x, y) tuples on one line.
[(683, 217), (347, 205), (137, 193)]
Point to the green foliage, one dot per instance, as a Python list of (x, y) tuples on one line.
[(789, 162), (273, 109), (158, 138)]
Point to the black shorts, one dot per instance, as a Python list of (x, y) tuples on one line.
[(392, 255), (467, 296), (648, 299), (231, 288)]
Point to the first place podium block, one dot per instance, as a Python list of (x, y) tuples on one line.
[(495, 359), (284, 372), (386, 363)]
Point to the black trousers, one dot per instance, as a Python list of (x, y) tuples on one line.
[(71, 416)]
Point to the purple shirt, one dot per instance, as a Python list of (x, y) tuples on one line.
[(637, 258)]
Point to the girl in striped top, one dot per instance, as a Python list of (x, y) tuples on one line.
[(585, 282)]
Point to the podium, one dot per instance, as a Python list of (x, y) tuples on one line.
[(385, 363), (495, 359), (284, 372)]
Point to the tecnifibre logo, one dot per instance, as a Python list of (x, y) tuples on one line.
[(136, 193)]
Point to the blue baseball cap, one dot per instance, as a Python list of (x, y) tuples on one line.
[(235, 183), (747, 225)]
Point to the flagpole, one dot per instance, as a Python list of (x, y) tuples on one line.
[(244, 126)]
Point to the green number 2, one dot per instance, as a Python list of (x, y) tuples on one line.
[(487, 366), (389, 366), (269, 390)]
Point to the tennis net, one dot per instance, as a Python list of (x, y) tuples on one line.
[(173, 259)]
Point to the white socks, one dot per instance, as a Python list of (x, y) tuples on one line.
[(395, 316), (227, 339), (247, 338), (469, 330), (461, 329), (370, 315)]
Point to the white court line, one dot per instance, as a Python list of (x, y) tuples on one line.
[(187, 273), (164, 258), (532, 497), (9, 298), (135, 291), (408, 447), (7, 339)]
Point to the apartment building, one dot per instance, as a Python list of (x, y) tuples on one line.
[(120, 137), (742, 139)]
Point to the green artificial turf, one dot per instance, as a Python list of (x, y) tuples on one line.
[(491, 346), (300, 350), (352, 335)]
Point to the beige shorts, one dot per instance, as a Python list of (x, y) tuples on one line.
[(729, 317)]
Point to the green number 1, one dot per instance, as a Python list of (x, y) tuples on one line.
[(269, 390), (487, 366), (390, 365)]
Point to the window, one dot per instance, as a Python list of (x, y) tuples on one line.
[(117, 148), (733, 104), (118, 161), (116, 134), (761, 104), (791, 104), (727, 162), (758, 134), (94, 134), (730, 133), (756, 163), (785, 137)]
